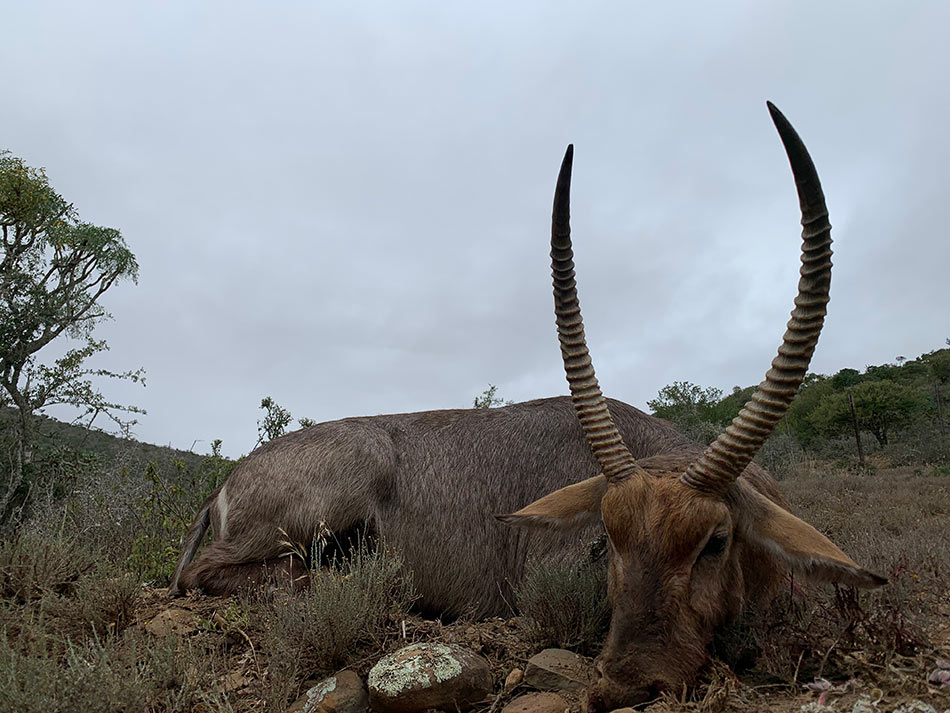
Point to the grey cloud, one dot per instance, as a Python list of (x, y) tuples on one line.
[(346, 206)]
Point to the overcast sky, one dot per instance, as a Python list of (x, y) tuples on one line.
[(346, 206)]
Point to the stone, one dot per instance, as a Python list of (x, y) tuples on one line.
[(557, 670), (939, 677), (171, 621), (233, 681), (426, 675), (915, 706), (513, 679), (537, 703), (343, 692)]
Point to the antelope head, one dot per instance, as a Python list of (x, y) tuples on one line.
[(689, 542)]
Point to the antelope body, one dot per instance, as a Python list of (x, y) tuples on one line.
[(427, 483)]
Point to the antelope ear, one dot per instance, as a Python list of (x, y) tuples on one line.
[(569, 508), (801, 547)]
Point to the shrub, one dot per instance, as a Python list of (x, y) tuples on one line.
[(106, 674), (165, 512), (347, 605), (32, 565), (565, 602)]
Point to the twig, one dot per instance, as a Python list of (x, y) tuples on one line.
[(797, 666), (824, 659), (494, 703)]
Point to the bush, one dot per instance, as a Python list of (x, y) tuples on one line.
[(108, 675), (166, 510), (65, 640), (62, 588), (347, 605), (565, 602), (32, 565)]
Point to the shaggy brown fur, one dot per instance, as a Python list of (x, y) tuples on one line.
[(415, 479)]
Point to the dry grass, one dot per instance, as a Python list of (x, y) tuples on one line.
[(72, 635), (895, 522), (66, 641)]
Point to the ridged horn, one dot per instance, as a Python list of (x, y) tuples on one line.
[(730, 453), (616, 462)]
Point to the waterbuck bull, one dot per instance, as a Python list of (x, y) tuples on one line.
[(690, 542), (428, 483)]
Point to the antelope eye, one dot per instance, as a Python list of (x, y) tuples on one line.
[(715, 546)]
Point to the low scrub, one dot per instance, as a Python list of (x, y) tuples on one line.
[(892, 522), (108, 674), (346, 608), (565, 602)]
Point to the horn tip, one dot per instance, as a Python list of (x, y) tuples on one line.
[(778, 118)]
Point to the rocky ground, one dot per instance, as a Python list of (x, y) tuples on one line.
[(490, 667)]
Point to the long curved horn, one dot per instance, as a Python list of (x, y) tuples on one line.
[(730, 453), (616, 462)]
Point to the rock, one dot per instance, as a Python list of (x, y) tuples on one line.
[(231, 682), (513, 679), (915, 706), (537, 703), (171, 621), (423, 676), (939, 677), (557, 670), (341, 693)]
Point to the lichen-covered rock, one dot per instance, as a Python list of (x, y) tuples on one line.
[(424, 676), (342, 693), (557, 670), (537, 703)]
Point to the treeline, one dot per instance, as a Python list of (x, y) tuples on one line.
[(900, 407)]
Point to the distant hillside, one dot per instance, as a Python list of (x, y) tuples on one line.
[(53, 434)]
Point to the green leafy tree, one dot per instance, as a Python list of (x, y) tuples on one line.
[(53, 270), (729, 406), (881, 407), (489, 399), (939, 365), (686, 404), (815, 389)]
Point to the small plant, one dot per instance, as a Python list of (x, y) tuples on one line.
[(32, 565), (234, 617), (352, 602), (566, 602)]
